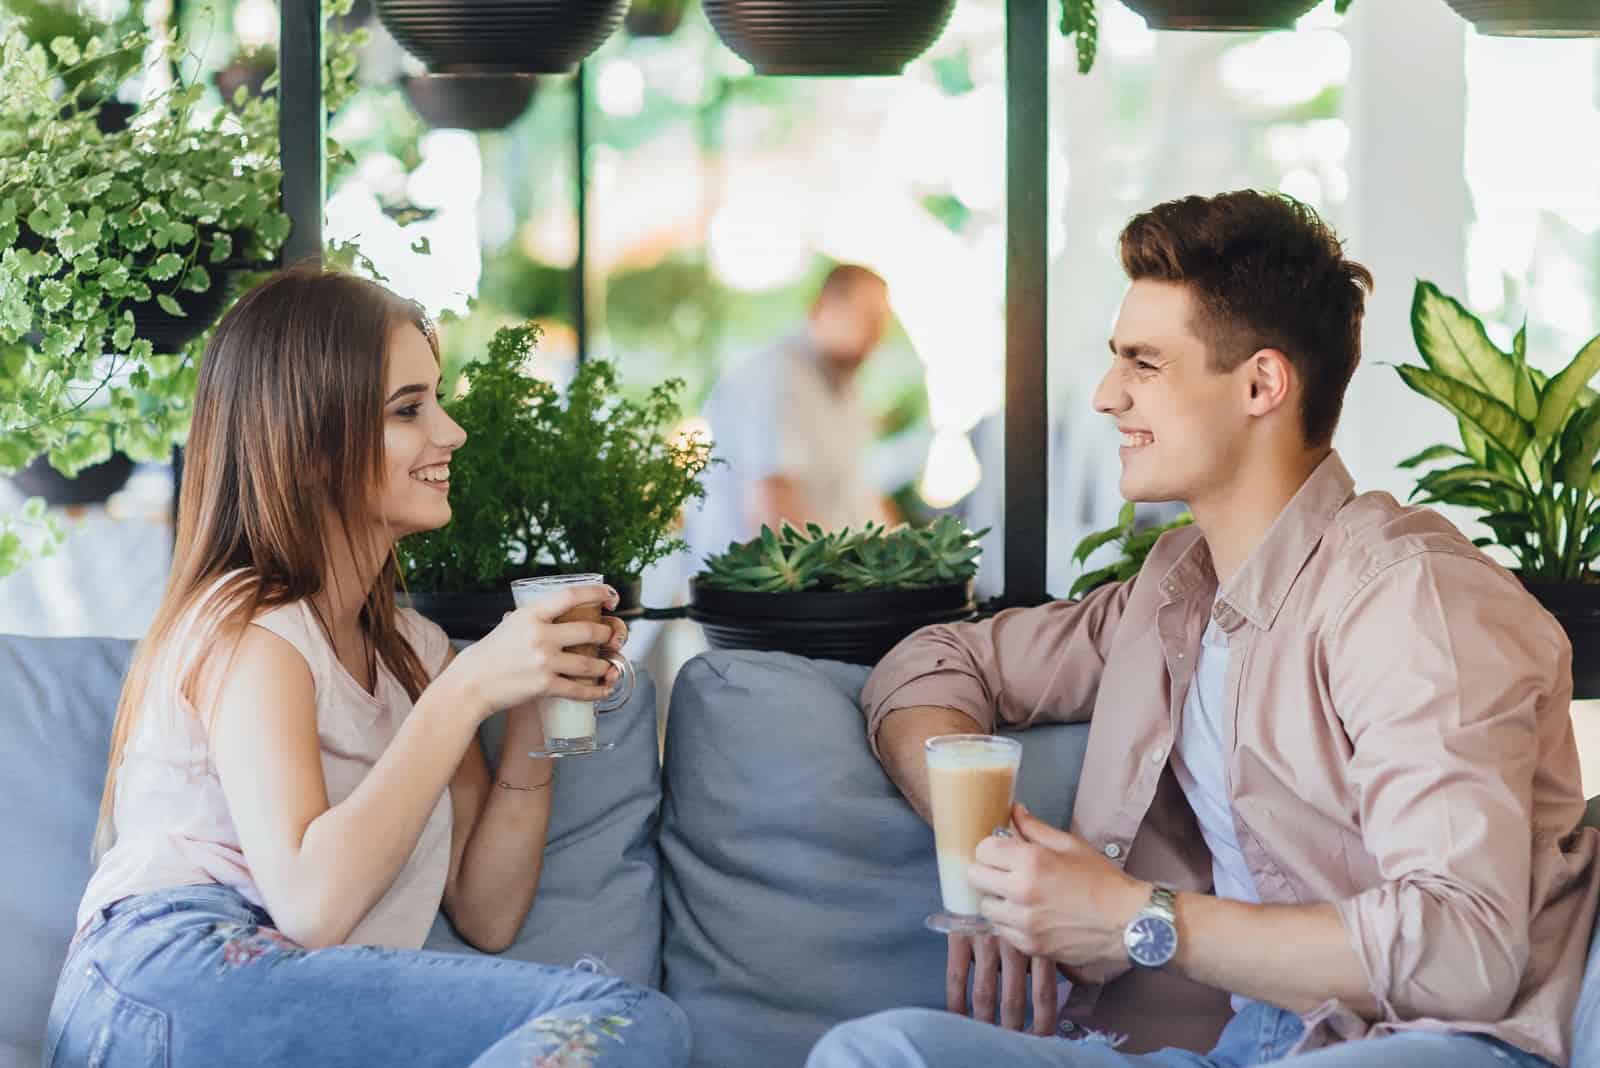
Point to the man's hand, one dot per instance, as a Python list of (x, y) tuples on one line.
[(991, 963), (1050, 895)]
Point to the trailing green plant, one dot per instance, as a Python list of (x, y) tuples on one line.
[(1135, 545), (103, 230), (590, 481), (1080, 22), (907, 558), (43, 21), (1527, 461)]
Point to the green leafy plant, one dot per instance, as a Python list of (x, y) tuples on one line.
[(1527, 461), (1080, 22), (103, 232), (1135, 545), (790, 561), (589, 481)]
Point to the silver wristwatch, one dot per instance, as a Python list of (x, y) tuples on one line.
[(1152, 935)]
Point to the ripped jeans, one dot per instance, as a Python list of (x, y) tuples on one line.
[(1258, 1034), (197, 975)]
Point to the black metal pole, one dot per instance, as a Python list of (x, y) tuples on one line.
[(302, 126), (1027, 274), (580, 267)]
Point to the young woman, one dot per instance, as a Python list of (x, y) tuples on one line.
[(295, 785)]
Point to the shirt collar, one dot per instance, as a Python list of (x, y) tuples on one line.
[(1258, 591)]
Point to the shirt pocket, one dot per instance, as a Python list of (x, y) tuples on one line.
[(101, 1027)]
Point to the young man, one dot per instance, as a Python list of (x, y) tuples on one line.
[(1331, 770)]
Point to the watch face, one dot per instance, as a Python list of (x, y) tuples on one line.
[(1151, 941)]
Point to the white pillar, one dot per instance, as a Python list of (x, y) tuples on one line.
[(1406, 218)]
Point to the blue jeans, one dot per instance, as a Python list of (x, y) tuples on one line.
[(198, 976), (1259, 1034)]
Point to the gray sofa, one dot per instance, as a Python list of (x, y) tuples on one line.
[(769, 879)]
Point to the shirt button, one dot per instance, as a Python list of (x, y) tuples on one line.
[(1157, 755), (1180, 656), (1113, 850)]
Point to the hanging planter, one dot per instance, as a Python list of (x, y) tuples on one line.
[(92, 485), (870, 37), (654, 18), (501, 36), (1531, 18), (470, 101), (249, 71), (1231, 15), (170, 333)]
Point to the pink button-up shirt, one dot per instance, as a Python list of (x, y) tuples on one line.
[(1397, 739)]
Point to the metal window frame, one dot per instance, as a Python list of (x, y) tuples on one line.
[(303, 136)]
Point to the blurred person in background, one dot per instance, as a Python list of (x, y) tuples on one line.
[(791, 425)]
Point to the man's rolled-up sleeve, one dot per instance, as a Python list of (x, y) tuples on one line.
[(1438, 668), (1024, 666)]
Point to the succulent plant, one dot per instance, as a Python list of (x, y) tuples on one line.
[(793, 560)]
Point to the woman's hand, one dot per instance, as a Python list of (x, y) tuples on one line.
[(526, 655)]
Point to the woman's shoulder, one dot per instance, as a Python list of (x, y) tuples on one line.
[(427, 639)]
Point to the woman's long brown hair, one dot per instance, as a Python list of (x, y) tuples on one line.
[(287, 432)]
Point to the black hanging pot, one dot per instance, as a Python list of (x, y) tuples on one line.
[(654, 18), (92, 485), (1531, 18), (246, 71), (1233, 15), (829, 36), (470, 101), (470, 616), (501, 36), (1576, 606), (858, 628), (170, 333)]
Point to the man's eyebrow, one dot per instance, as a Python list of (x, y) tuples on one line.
[(1133, 351), (415, 387)]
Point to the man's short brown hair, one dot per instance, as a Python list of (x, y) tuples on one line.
[(1265, 272), (844, 280)]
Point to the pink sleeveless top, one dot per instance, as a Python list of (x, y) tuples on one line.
[(171, 824)]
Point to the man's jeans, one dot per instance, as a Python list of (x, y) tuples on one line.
[(198, 976), (1259, 1034)]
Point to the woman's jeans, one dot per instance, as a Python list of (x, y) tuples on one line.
[(1258, 1034), (198, 976)]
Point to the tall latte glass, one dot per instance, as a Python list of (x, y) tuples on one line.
[(972, 779), (570, 728)]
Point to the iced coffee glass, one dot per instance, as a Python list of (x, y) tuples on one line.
[(569, 726), (972, 780)]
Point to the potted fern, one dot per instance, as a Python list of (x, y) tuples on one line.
[(551, 484), (1526, 462), (836, 596)]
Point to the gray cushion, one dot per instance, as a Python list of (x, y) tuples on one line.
[(1586, 1021), (796, 878), (58, 698), (600, 892)]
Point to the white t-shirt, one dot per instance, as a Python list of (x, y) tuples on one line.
[(777, 414), (1202, 769)]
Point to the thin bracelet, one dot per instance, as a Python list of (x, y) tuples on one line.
[(512, 786)]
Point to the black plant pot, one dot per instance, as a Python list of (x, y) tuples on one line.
[(829, 36), (659, 20), (858, 628), (1531, 18), (470, 101), (170, 333), (1576, 606), (469, 616), (501, 36), (93, 485), (250, 75), (1234, 15)]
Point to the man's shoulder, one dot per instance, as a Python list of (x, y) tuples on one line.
[(1374, 537)]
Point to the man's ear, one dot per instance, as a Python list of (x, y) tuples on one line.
[(1269, 378)]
